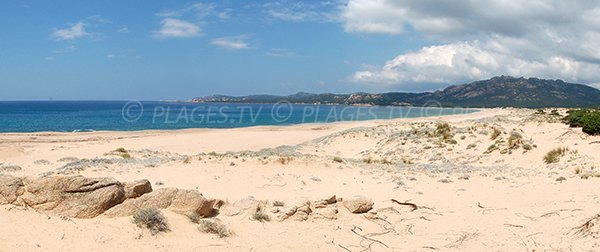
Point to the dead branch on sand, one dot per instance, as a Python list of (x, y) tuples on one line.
[(587, 229), (353, 230)]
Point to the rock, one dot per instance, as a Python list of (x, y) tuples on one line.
[(329, 212), (358, 204), (324, 202), (137, 188), (248, 205), (80, 197), (302, 212), (287, 213), (299, 212), (76, 196), (186, 202), (10, 189)]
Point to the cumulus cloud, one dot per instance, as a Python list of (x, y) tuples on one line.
[(235, 43), (436, 66), (176, 28), (71, 33), (480, 39)]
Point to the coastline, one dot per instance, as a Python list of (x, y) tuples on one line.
[(32, 117), (192, 130)]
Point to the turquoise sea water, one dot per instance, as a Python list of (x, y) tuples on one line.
[(76, 116)]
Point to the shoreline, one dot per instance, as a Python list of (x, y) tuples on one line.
[(478, 110)]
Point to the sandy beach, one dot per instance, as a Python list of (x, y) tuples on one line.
[(472, 182)]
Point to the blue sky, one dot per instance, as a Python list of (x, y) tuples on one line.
[(156, 50)]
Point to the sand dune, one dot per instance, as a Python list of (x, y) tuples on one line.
[(474, 182)]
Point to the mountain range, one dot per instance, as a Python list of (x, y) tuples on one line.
[(500, 91)]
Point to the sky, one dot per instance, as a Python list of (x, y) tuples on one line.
[(177, 50)]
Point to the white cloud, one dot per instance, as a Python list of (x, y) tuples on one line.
[(373, 16), (176, 28), (436, 66), (235, 43), (280, 52), (225, 14), (199, 9), (480, 39), (71, 33), (294, 11), (123, 29)]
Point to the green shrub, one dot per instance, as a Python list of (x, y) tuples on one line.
[(589, 120), (152, 219), (591, 124)]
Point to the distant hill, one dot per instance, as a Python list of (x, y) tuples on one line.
[(501, 91)]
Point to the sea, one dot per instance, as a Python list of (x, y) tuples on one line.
[(88, 116)]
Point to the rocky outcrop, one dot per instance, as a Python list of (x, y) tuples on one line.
[(358, 204), (10, 189), (320, 209), (187, 202), (76, 197), (137, 188), (80, 197)]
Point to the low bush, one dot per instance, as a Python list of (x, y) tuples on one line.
[(591, 123), (152, 219), (587, 119), (495, 134), (444, 130), (214, 226), (261, 216)]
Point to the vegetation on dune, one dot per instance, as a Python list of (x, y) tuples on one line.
[(554, 155), (587, 119), (152, 219), (214, 226), (495, 134)]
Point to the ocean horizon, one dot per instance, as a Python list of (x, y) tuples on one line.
[(87, 116)]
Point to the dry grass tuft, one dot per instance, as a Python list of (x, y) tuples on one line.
[(152, 219), (554, 155), (121, 150), (214, 226), (495, 133), (285, 160), (261, 216), (515, 140)]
